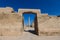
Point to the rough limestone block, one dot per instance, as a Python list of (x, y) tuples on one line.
[(10, 25), (50, 27)]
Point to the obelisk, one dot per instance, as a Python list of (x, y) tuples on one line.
[(29, 21)]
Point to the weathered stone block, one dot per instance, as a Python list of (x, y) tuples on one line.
[(10, 25)]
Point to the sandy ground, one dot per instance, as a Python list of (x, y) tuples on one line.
[(29, 36)]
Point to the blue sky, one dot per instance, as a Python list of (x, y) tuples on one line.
[(26, 18), (52, 7)]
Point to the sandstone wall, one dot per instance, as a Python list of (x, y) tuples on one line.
[(49, 25), (6, 10), (10, 24)]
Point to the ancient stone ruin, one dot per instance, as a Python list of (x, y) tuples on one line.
[(12, 23)]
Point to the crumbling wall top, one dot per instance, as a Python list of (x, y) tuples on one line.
[(6, 10)]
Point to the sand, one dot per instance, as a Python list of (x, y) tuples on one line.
[(29, 36)]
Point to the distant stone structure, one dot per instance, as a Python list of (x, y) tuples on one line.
[(12, 24)]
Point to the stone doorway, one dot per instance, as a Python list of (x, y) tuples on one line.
[(36, 20), (34, 29)]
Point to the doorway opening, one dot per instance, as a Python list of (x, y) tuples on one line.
[(30, 23)]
